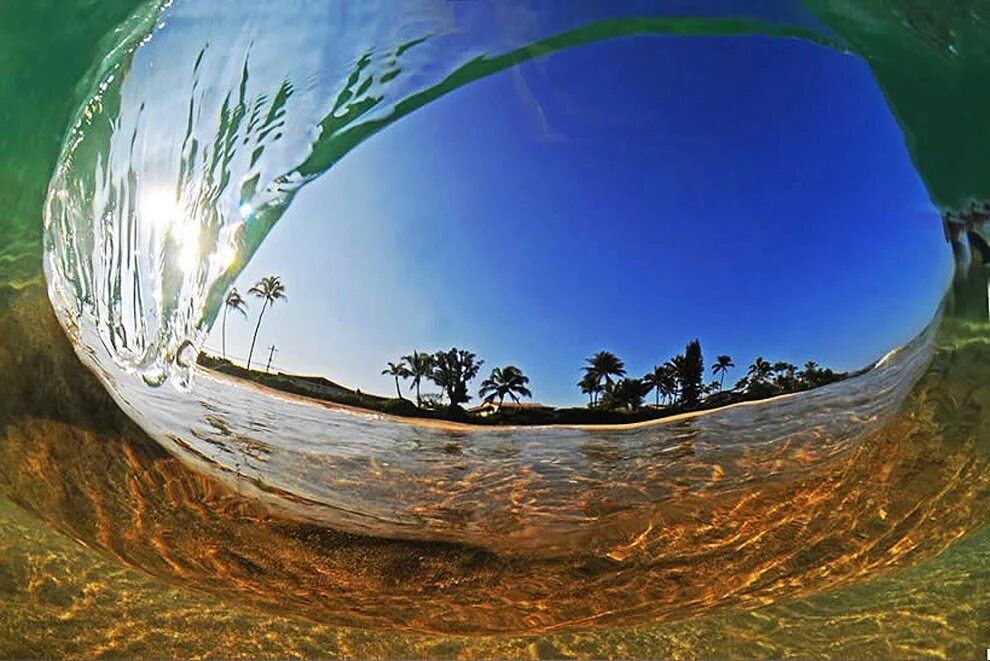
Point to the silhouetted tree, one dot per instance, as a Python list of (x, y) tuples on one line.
[(397, 370), (234, 301), (759, 373), (505, 382), (677, 368), (721, 367), (591, 387), (656, 381), (785, 378), (268, 289), (626, 393), (603, 366), (670, 381), (813, 376), (420, 366), (692, 370), (452, 370)]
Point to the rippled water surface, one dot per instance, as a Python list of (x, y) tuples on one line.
[(153, 508)]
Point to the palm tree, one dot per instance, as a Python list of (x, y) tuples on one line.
[(810, 374), (236, 301), (397, 370), (603, 366), (626, 393), (420, 366), (668, 386), (722, 365), (677, 369), (591, 387), (656, 381), (786, 376), (268, 289), (759, 371), (505, 382)]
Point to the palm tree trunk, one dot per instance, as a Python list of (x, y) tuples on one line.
[(223, 333), (419, 400), (254, 339), (397, 391)]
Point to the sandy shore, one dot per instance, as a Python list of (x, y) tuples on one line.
[(450, 425)]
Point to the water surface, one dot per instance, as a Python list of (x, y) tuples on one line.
[(844, 521)]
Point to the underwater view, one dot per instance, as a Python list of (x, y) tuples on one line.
[(495, 329)]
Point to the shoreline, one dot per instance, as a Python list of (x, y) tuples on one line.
[(453, 425)]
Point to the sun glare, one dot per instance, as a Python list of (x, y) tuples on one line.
[(161, 211), (187, 236)]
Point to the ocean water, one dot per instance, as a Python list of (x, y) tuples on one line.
[(151, 148)]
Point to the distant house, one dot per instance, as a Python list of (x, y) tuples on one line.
[(487, 408)]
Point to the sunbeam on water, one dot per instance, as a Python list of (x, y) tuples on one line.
[(539, 182)]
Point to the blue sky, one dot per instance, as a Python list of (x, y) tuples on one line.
[(629, 195)]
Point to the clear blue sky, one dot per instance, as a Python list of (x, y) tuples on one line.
[(629, 195)]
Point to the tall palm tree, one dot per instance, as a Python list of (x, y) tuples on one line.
[(656, 381), (722, 365), (603, 366), (505, 382), (397, 370), (268, 289), (236, 301), (420, 366)]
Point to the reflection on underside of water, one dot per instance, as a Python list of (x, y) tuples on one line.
[(532, 489), (907, 488)]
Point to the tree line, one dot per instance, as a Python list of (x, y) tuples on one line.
[(677, 384), (452, 370)]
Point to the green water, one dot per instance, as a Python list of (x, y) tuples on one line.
[(80, 577)]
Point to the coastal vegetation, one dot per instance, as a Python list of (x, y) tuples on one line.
[(677, 385), (505, 381)]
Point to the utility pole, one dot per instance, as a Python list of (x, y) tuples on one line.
[(271, 352)]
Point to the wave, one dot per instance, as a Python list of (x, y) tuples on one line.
[(199, 131)]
